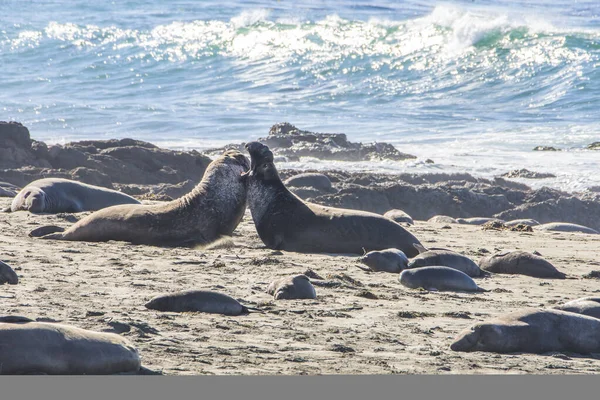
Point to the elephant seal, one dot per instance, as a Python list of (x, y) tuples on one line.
[(566, 227), (399, 216), (589, 306), (56, 195), (439, 278), (28, 347), (214, 208), (520, 262), (8, 189), (292, 287), (388, 260), (285, 222), (442, 219), (447, 258), (313, 180), (7, 274), (198, 301), (528, 222), (532, 331), (477, 220)]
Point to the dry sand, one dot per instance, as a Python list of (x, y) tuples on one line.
[(360, 323)]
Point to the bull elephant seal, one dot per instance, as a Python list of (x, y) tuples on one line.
[(292, 287), (7, 274), (447, 258), (438, 278), (388, 260), (28, 347), (532, 331), (197, 301), (565, 227), (285, 222), (56, 195), (586, 306), (399, 216), (520, 262), (214, 208)]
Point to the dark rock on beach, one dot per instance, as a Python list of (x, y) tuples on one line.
[(525, 173)]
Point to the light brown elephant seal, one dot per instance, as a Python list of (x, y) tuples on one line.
[(520, 262), (447, 258), (198, 301), (532, 331), (56, 195), (589, 306), (285, 222), (438, 278), (7, 274), (214, 208), (292, 287), (28, 347)]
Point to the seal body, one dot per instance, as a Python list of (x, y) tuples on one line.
[(197, 301), (477, 220), (292, 287), (520, 262), (8, 189), (438, 278), (285, 222), (589, 306), (399, 216), (7, 274), (532, 331), (528, 222), (449, 259), (566, 227), (214, 208), (28, 347), (56, 195), (388, 260), (442, 219), (313, 180)]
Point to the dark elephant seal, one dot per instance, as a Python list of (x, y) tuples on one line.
[(565, 227), (213, 209), (285, 222), (589, 306), (388, 260), (477, 220), (399, 216), (56, 195), (292, 287), (313, 180), (7, 274), (438, 278), (442, 219), (447, 258), (8, 189), (532, 331), (197, 301), (520, 262), (28, 347)]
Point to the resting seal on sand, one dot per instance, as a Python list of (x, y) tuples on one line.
[(565, 227), (56, 195), (292, 287), (532, 331), (197, 301), (7, 274), (388, 260), (438, 278), (212, 209), (399, 216), (28, 347), (586, 306), (446, 258), (520, 262), (285, 222)]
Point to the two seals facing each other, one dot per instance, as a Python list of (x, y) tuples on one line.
[(56, 195), (285, 222), (213, 209)]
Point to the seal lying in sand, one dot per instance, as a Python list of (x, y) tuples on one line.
[(446, 258), (285, 222), (586, 306), (212, 209), (7, 274), (56, 195), (388, 260), (292, 287), (532, 331), (520, 262), (566, 227), (438, 278), (28, 347), (198, 301), (399, 216), (8, 189)]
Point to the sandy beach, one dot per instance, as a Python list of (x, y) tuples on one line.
[(360, 323)]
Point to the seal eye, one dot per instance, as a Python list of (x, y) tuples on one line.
[(265, 166)]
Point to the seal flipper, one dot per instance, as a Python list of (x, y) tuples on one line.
[(480, 289), (420, 248), (6, 210), (45, 230)]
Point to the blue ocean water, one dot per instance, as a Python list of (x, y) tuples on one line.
[(473, 85)]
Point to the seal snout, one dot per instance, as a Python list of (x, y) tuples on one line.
[(259, 152)]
